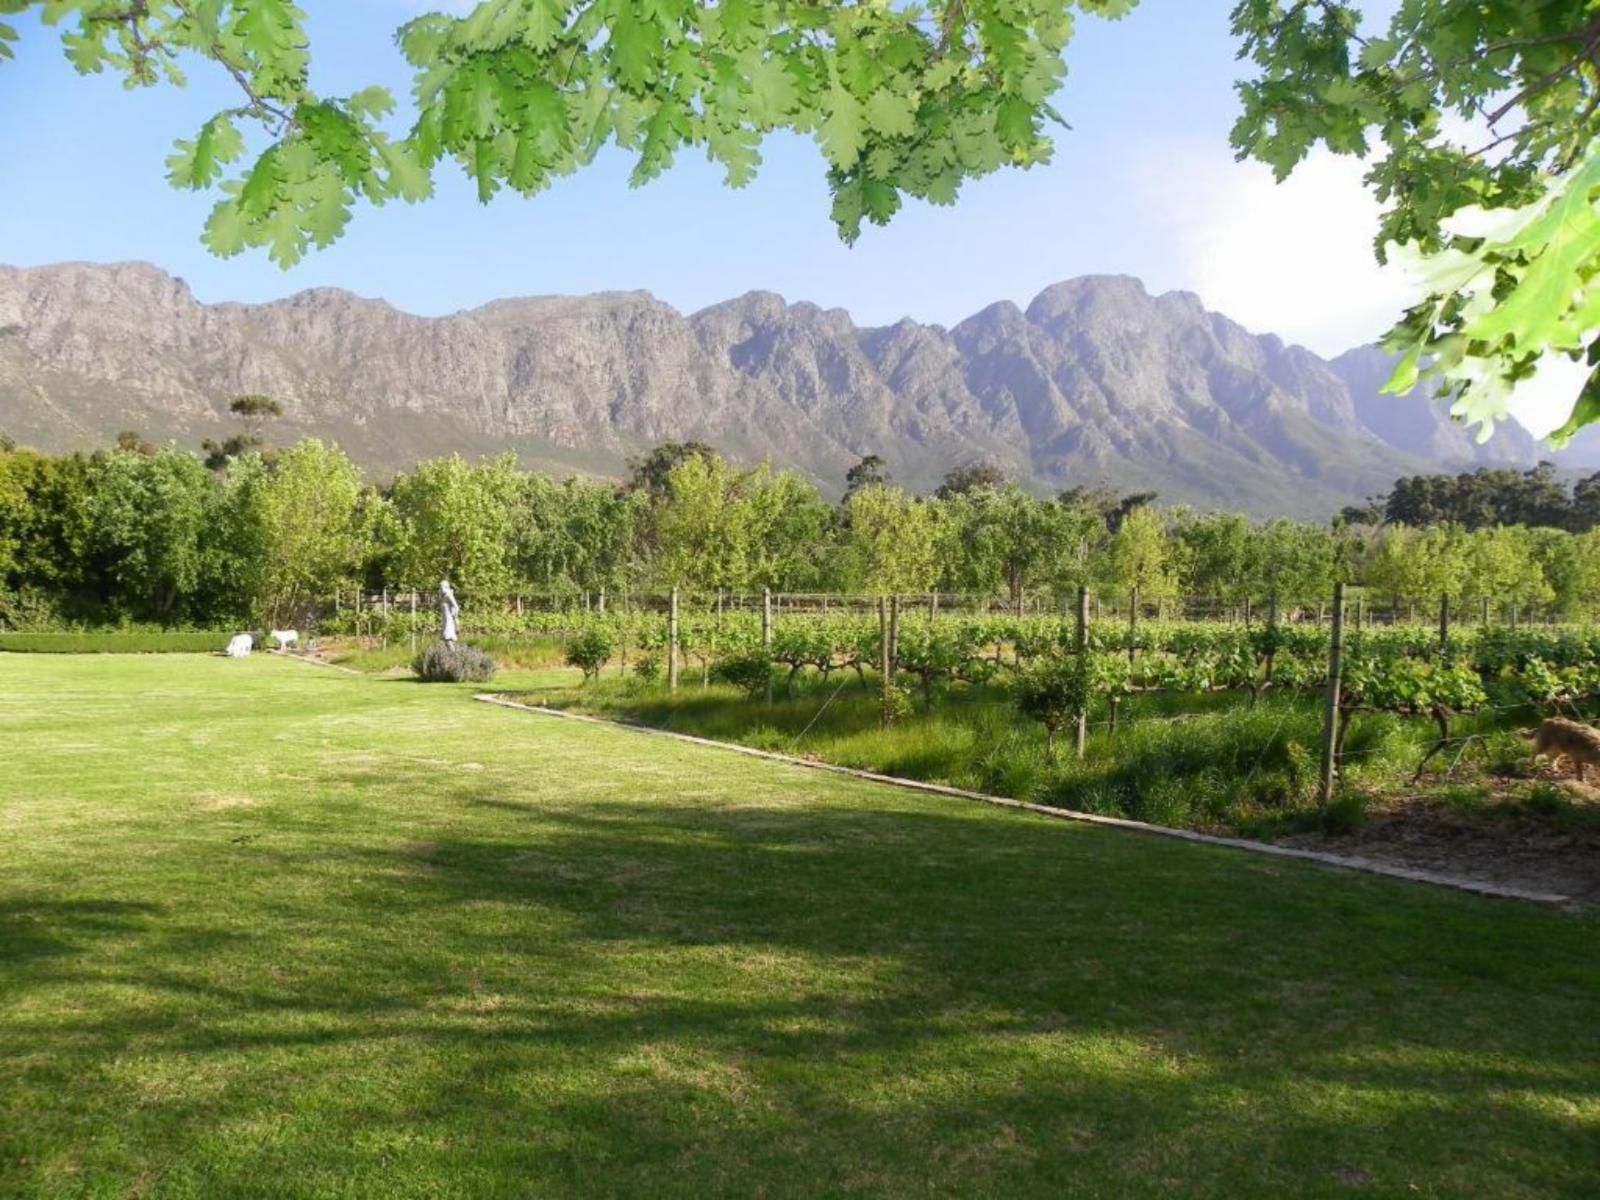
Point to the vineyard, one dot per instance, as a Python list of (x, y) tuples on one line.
[(1117, 713)]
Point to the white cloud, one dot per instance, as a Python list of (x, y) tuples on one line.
[(1293, 258), (1296, 258), (1545, 402)]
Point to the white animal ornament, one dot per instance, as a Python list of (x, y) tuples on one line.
[(286, 638), (240, 646)]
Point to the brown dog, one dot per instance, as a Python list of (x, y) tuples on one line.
[(1560, 737)]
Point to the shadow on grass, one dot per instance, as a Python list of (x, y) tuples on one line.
[(693, 999), (49, 928)]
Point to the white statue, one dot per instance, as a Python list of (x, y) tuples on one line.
[(449, 610), (240, 646)]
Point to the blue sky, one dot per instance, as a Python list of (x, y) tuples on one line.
[(1143, 184)]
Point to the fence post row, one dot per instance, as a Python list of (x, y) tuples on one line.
[(1330, 718), (766, 635), (1133, 626), (1081, 641), (894, 637), (672, 641), (883, 654)]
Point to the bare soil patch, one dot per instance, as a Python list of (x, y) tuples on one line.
[(1540, 834)]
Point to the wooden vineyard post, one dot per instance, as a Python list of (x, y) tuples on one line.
[(1330, 717), (1483, 618), (602, 602), (1080, 639), (883, 639), (1272, 624), (413, 623), (883, 656), (766, 635), (1133, 627), (894, 637), (672, 641), (1444, 623), (1247, 610), (933, 606)]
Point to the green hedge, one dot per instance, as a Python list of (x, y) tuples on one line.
[(114, 642)]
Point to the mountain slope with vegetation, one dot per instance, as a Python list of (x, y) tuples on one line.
[(1096, 382)]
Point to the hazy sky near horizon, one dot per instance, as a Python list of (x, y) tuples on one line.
[(1144, 183)]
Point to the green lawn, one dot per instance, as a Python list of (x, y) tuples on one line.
[(269, 930)]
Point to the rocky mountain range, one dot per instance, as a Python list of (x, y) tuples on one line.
[(1096, 382)]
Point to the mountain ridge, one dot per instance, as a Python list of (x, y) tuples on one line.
[(1095, 382)]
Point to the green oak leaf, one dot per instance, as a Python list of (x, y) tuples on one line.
[(408, 178), (891, 114), (225, 232), (842, 132), (1558, 242), (773, 94)]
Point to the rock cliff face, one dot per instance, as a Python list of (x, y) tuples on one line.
[(1096, 382)]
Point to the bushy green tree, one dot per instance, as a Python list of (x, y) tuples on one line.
[(789, 531), (580, 534), (1502, 565), (893, 541), (1216, 555), (1001, 539), (704, 542), (306, 512), (722, 529), (1140, 556), (1412, 566), (146, 516), (458, 521), (1295, 562)]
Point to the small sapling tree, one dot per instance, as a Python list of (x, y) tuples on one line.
[(749, 670), (589, 652), (1053, 692)]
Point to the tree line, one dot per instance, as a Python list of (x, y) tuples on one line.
[(140, 533), (1486, 497)]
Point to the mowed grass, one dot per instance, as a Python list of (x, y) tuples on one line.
[(273, 930)]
